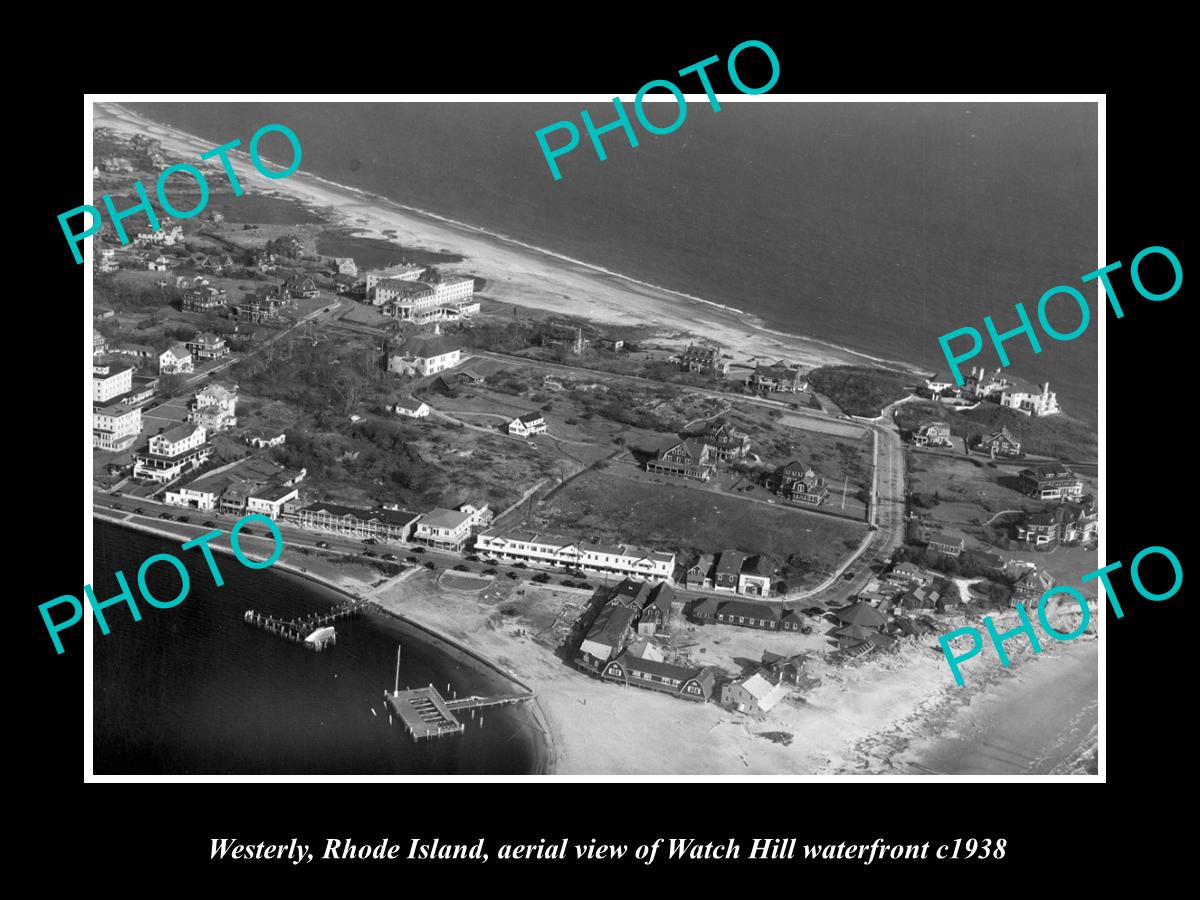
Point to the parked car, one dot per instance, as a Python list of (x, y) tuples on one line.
[(411, 559), (391, 557), (849, 576), (210, 524), (249, 531), (472, 558), (418, 549), (324, 545), (165, 516), (368, 553), (184, 519), (117, 506), (462, 568), (489, 572), (116, 494), (370, 541), (512, 575), (568, 583), (520, 565)]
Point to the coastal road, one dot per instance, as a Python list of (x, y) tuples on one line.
[(887, 516)]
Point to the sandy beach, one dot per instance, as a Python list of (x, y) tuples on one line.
[(516, 272)]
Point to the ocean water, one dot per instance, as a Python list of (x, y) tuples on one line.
[(195, 690), (875, 226)]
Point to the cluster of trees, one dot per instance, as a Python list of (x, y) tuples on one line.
[(860, 390), (970, 564)]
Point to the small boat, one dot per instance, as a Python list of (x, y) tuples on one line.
[(322, 637)]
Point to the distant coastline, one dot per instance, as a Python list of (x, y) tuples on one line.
[(675, 313)]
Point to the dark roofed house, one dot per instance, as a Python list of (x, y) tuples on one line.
[(729, 569), (779, 377), (792, 621), (749, 614), (1051, 482), (788, 669), (725, 443), (1030, 588), (607, 637), (1000, 443), (682, 681), (861, 614), (656, 611), (630, 593), (703, 360), (757, 577), (950, 544), (704, 611), (798, 483), (700, 573)]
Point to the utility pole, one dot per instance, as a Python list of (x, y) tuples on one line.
[(845, 483)]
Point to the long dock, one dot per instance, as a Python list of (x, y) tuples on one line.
[(425, 713), (299, 631)]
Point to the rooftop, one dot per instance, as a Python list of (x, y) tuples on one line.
[(445, 518)]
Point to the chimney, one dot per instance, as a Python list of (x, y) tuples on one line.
[(1045, 390)]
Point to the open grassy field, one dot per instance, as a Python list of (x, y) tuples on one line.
[(606, 505)]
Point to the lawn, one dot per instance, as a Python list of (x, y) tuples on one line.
[(861, 390), (605, 505)]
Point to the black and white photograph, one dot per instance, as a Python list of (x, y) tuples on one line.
[(684, 434)]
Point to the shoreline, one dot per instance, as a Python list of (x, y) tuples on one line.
[(545, 751), (521, 273)]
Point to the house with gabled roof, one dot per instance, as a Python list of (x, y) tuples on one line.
[(728, 570), (1029, 589), (427, 354), (411, 407), (725, 443), (932, 434), (687, 458), (700, 574), (756, 693), (799, 483), (705, 360), (950, 544), (176, 359), (757, 576), (686, 682), (1000, 443), (207, 345), (527, 424)]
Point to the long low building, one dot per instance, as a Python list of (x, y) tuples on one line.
[(388, 524), (552, 550), (687, 682)]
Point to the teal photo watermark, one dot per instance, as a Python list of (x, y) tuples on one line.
[(144, 206), (185, 582), (1061, 291), (622, 121), (1026, 628)]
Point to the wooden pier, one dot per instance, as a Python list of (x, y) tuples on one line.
[(425, 713), (311, 630)]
